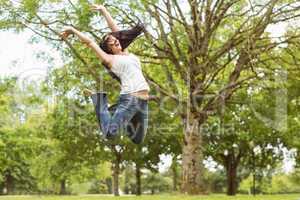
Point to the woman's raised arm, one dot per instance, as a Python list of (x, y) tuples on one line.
[(110, 21), (104, 57)]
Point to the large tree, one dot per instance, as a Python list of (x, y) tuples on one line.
[(204, 52), (17, 140), (241, 142)]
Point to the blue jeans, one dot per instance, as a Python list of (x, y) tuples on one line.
[(130, 114)]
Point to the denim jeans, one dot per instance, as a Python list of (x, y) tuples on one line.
[(130, 114)]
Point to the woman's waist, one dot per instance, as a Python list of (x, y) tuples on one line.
[(143, 94)]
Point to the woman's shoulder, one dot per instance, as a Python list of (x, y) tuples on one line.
[(124, 56)]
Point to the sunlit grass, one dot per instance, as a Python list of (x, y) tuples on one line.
[(156, 197)]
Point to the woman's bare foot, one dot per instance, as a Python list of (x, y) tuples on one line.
[(87, 92)]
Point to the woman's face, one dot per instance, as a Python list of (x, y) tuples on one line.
[(114, 44)]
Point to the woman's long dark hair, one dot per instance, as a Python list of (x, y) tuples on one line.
[(125, 37)]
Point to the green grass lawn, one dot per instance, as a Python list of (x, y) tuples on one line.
[(156, 197)]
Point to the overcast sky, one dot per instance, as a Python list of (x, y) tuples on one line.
[(18, 56)]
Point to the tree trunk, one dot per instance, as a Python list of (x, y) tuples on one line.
[(231, 170), (192, 166), (63, 190), (116, 172), (138, 179), (175, 173), (1, 188), (109, 185), (152, 191), (8, 183), (126, 187)]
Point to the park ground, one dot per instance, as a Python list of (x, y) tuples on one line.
[(156, 197)]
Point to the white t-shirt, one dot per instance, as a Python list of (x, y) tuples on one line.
[(128, 69)]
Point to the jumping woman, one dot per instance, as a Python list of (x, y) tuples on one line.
[(131, 112)]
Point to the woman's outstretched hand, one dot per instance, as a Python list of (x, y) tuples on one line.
[(68, 31), (97, 7)]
